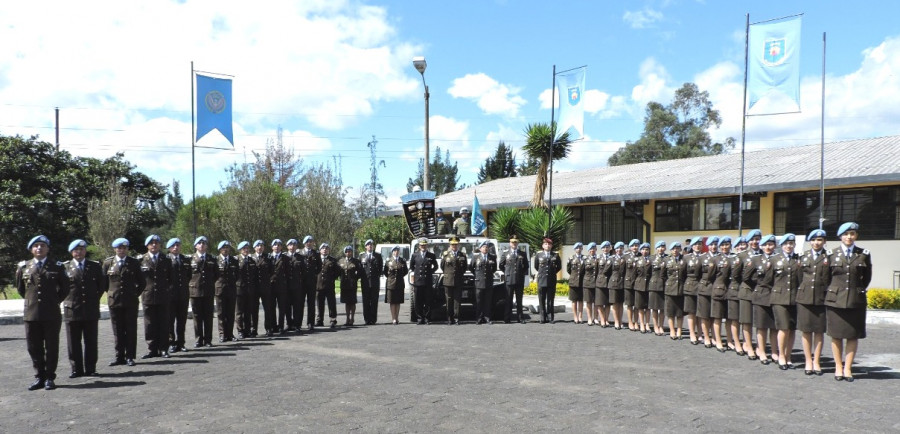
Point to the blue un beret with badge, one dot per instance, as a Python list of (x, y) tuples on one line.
[(816, 233), (307, 239), (659, 244), (369, 241), (324, 245), (276, 241), (605, 244), (291, 241), (620, 245), (76, 244), (39, 238), (172, 242), (767, 239), (740, 240), (592, 246), (754, 233), (120, 242), (348, 249), (578, 245), (787, 237), (634, 242), (152, 238), (712, 240), (200, 239), (258, 243), (849, 226), (243, 244), (644, 246), (676, 244), (223, 243), (696, 240), (725, 240)]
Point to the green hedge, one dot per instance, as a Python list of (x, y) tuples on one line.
[(562, 288), (883, 298)]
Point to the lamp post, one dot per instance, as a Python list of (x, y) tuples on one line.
[(419, 63)]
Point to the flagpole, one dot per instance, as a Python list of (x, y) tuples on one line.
[(743, 128), (822, 167), (552, 140), (193, 157)]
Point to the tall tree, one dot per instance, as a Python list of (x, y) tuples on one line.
[(443, 176), (501, 165), (529, 166), (110, 215), (279, 163), (539, 137), (679, 130), (321, 210)]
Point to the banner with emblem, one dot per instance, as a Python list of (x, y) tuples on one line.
[(570, 88), (478, 222), (213, 106), (774, 60)]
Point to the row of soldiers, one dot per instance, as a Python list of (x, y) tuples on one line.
[(286, 283), (756, 281)]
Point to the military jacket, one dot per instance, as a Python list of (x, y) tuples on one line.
[(247, 277), (642, 271), (82, 303), (514, 264), (443, 226), (483, 267), (547, 265), (589, 280), (297, 266), (454, 266), (786, 279), (461, 226), (693, 270), (327, 274), (747, 271), (351, 271), (707, 273), (204, 273), (281, 272), (226, 282), (657, 281), (630, 258), (312, 266), (816, 273), (124, 283), (721, 278), (617, 272), (850, 278), (604, 269), (264, 271), (423, 268), (674, 267), (575, 268), (395, 270), (43, 289), (763, 274), (372, 266), (181, 276), (157, 279)]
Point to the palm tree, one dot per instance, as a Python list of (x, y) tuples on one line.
[(537, 146)]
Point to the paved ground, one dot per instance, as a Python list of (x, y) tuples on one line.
[(497, 378)]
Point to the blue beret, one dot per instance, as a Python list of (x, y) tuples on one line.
[(740, 240), (712, 240), (222, 244), (172, 242), (619, 245), (258, 243), (324, 245), (676, 244), (644, 246), (578, 245), (152, 238), (39, 238), (120, 242), (348, 249), (660, 243), (816, 233), (754, 233), (696, 240), (592, 245), (767, 238), (787, 237), (291, 241), (849, 226), (369, 242), (725, 240), (307, 239), (605, 244), (200, 239), (243, 244), (77, 243), (634, 242), (276, 241)]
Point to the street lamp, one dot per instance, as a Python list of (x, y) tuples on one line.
[(419, 63)]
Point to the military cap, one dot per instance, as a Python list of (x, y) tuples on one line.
[(767, 239), (172, 242), (308, 238), (258, 243), (243, 244), (578, 245), (485, 243), (696, 240), (712, 240), (348, 249), (76, 244), (423, 240), (849, 226), (439, 211), (659, 244), (644, 246), (120, 242), (754, 233), (605, 244), (634, 242), (395, 248), (324, 245), (454, 240), (369, 241), (725, 240), (200, 239), (276, 241), (592, 245), (222, 244), (152, 238), (463, 210), (676, 244), (816, 233), (787, 237), (619, 245), (39, 238), (292, 241), (513, 239)]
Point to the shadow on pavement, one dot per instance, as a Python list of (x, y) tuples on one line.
[(102, 384), (12, 339), (881, 373), (174, 361), (136, 374), (206, 353)]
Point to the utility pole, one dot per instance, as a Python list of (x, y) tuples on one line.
[(374, 173)]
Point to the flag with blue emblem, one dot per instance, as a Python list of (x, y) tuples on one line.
[(774, 60), (478, 222), (570, 88), (214, 106)]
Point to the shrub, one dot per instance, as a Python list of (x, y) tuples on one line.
[(883, 298), (562, 289)]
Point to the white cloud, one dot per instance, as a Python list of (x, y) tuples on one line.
[(653, 86), (643, 18), (491, 96)]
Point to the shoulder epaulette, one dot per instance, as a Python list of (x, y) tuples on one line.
[(865, 251), (59, 263), (23, 264), (828, 252), (109, 258), (139, 257)]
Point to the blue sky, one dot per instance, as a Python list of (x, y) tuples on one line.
[(334, 73)]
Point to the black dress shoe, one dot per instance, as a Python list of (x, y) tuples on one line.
[(75, 374), (320, 324), (38, 383), (198, 345), (268, 333), (92, 374), (782, 367), (117, 362), (129, 362), (807, 372), (847, 379), (149, 356), (165, 355), (522, 321), (838, 378), (241, 336), (818, 372), (310, 328), (173, 349), (697, 342), (489, 322), (50, 385)]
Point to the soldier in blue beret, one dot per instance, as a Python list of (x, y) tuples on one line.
[(811, 300), (156, 297), (247, 291), (180, 294), (372, 268), (124, 282), (226, 291), (82, 311), (845, 299), (575, 268), (350, 274), (204, 273)]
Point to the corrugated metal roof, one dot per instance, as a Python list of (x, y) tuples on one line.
[(846, 163)]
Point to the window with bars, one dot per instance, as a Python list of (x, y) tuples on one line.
[(719, 213), (876, 209)]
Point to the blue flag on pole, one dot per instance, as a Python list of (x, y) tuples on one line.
[(214, 106), (774, 60), (478, 223), (570, 88)]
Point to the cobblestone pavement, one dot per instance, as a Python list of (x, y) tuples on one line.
[(437, 378)]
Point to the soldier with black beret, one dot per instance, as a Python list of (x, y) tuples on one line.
[(312, 267), (124, 282), (483, 266), (395, 269), (281, 275), (264, 269), (82, 309)]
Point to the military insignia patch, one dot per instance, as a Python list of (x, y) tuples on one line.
[(215, 101), (773, 51), (574, 95)]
